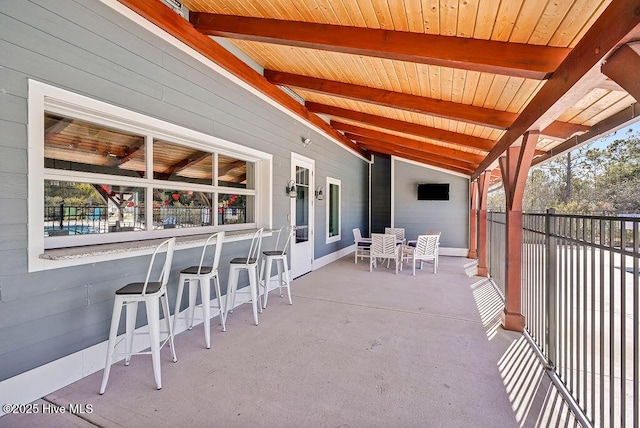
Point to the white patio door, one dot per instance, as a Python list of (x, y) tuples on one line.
[(302, 171)]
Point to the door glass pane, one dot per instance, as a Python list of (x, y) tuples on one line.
[(302, 204)]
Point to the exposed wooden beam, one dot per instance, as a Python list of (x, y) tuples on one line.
[(386, 147), (405, 127), (184, 163), (617, 25), (496, 57), (447, 109), (223, 170), (563, 130), (623, 68), (165, 18), (408, 142)]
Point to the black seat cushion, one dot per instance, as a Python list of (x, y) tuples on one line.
[(364, 244), (272, 253), (242, 261), (193, 270), (136, 288)]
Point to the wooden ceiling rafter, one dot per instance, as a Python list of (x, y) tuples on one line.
[(418, 130), (407, 142), (383, 145), (385, 150), (482, 116), (618, 24), (488, 56)]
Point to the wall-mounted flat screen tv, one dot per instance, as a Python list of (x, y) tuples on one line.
[(433, 192)]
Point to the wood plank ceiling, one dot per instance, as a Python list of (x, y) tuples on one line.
[(450, 83)]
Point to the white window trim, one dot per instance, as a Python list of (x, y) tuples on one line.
[(336, 182), (43, 97)]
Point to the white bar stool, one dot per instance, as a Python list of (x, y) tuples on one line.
[(250, 263), (150, 293), (280, 257), (202, 275)]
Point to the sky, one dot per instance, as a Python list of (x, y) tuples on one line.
[(620, 133)]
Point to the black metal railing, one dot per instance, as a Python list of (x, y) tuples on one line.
[(65, 219), (581, 302)]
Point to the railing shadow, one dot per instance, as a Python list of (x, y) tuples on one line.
[(535, 400)]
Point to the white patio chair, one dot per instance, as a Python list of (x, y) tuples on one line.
[(363, 245), (202, 275), (426, 249), (151, 293), (278, 255), (250, 263), (383, 246), (397, 231)]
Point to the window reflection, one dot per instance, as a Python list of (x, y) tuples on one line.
[(180, 209), (76, 145), (235, 173), (72, 208), (183, 164)]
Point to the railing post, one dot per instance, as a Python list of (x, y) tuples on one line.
[(62, 216), (551, 246)]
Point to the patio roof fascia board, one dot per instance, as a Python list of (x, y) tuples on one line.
[(154, 15), (486, 56), (617, 25)]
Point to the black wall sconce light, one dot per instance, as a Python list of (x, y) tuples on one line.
[(291, 189), (320, 193)]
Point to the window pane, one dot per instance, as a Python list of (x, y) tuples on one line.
[(72, 208), (235, 173), (334, 210), (75, 145), (180, 208), (235, 209), (178, 163)]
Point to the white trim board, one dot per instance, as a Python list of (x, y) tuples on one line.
[(332, 257), (133, 16)]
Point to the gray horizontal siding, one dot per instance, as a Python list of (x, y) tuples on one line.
[(450, 217), (87, 48)]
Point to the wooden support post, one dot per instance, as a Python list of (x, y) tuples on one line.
[(473, 220), (514, 168), (483, 193)]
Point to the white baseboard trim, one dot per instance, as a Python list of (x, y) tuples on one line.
[(455, 252), (330, 258), (41, 381)]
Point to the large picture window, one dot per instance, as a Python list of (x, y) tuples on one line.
[(102, 174)]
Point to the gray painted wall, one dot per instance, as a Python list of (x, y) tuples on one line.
[(450, 217), (85, 47)]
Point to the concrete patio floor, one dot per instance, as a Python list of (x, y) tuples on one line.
[(356, 349)]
